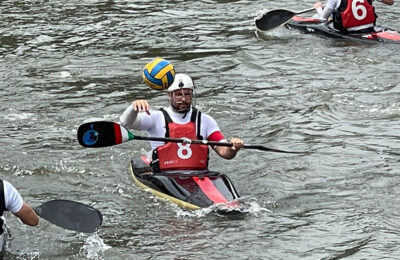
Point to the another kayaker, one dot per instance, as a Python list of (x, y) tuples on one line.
[(350, 16), (179, 120), (11, 200)]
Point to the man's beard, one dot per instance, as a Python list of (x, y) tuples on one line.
[(182, 110)]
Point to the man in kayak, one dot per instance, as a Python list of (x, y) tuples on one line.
[(350, 16), (11, 200), (179, 120)]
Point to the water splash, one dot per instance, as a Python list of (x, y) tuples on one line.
[(246, 206), (94, 246)]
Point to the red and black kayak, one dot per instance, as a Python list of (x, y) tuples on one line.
[(325, 29), (188, 189)]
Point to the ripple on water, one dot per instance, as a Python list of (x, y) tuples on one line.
[(63, 63)]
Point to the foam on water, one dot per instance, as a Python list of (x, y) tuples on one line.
[(94, 246)]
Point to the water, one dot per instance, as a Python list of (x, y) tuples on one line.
[(64, 63)]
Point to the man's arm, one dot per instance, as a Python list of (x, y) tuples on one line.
[(388, 2), (27, 215), (214, 134), (18, 206), (229, 152), (130, 117), (324, 12)]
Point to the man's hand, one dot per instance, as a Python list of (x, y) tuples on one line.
[(317, 5), (237, 144), (141, 105)]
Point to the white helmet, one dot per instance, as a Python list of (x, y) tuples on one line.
[(181, 81)]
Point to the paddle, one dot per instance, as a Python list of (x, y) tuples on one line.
[(104, 133), (274, 18), (70, 215)]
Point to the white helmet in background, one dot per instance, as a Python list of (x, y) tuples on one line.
[(181, 81)]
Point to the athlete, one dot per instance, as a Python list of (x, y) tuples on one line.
[(350, 16), (11, 200), (179, 120)]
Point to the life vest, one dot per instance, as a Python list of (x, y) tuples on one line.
[(355, 15), (2, 205), (180, 156)]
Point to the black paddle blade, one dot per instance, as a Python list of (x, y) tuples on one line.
[(272, 19), (101, 134), (71, 215)]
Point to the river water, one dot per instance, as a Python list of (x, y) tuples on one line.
[(68, 62)]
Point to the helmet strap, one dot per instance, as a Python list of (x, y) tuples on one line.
[(194, 95)]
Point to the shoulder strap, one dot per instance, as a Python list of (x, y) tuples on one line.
[(194, 115), (168, 120), (197, 114), (342, 5), (2, 198)]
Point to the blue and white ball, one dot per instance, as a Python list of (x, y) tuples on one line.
[(159, 74)]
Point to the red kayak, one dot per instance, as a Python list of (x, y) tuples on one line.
[(325, 29), (188, 189)]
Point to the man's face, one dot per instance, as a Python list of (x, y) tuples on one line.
[(181, 99)]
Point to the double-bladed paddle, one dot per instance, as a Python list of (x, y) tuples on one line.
[(274, 18), (70, 215), (105, 133)]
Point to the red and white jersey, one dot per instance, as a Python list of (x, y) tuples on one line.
[(359, 14), (154, 124), (181, 156), (351, 15)]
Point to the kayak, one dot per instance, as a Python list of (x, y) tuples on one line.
[(188, 189), (315, 26)]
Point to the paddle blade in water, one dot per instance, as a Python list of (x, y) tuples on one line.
[(272, 19), (102, 134), (71, 215)]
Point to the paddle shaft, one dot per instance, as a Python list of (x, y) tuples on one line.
[(304, 11), (212, 143)]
